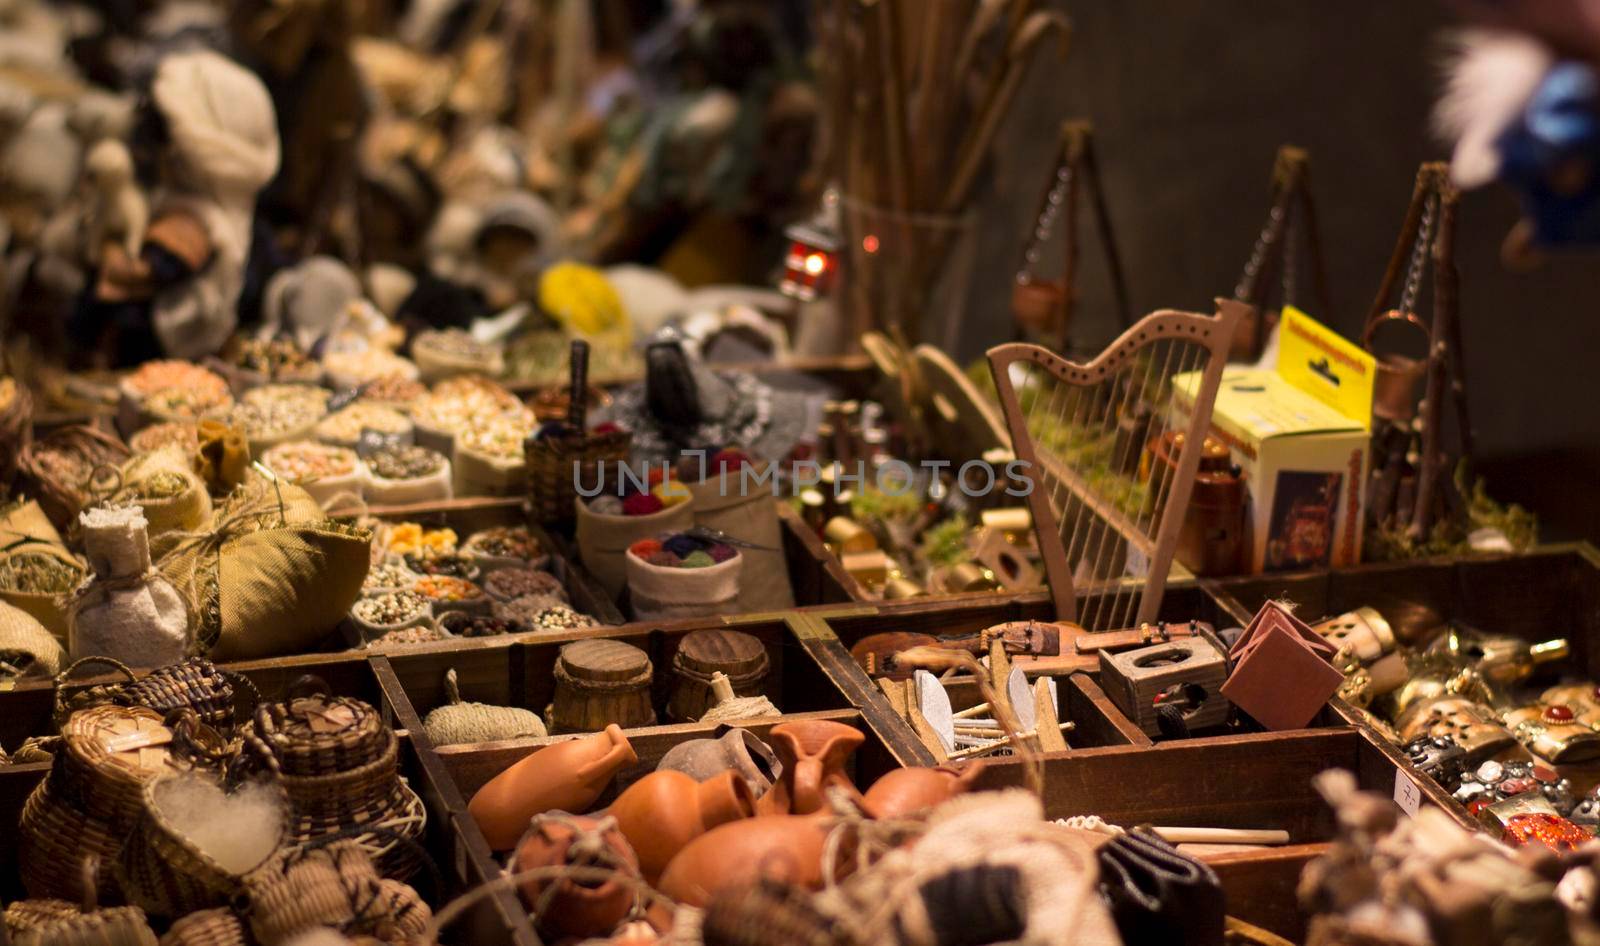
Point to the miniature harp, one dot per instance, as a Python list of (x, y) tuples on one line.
[(1103, 443)]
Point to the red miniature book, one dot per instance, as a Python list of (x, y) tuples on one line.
[(1281, 672)]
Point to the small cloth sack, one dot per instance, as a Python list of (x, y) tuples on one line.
[(128, 612)]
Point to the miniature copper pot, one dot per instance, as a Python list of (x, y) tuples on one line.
[(665, 810), (1037, 304), (787, 847), (813, 753), (567, 776), (904, 791), (1394, 386), (577, 907)]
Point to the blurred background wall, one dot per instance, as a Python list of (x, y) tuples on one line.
[(1190, 101)]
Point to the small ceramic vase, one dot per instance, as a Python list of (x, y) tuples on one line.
[(566, 776), (577, 907), (736, 749), (788, 847), (665, 810), (813, 753), (905, 791)]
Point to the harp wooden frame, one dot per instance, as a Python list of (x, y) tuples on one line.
[(1212, 333)]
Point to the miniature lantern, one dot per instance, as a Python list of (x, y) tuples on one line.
[(812, 265)]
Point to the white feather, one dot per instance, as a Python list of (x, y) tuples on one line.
[(1490, 76)]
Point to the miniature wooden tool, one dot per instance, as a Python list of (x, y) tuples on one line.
[(1188, 673)]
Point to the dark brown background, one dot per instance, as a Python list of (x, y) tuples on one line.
[(1190, 101)]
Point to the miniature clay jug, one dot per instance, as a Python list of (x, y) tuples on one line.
[(566, 776), (905, 791), (736, 749), (577, 907), (665, 810), (789, 847), (813, 753)]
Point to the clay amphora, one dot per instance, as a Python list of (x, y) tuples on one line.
[(566, 776), (813, 753), (665, 810), (577, 907), (905, 791), (737, 749), (789, 847)]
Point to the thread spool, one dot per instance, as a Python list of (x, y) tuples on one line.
[(599, 682)]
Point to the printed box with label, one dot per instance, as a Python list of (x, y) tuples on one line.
[(1304, 460)]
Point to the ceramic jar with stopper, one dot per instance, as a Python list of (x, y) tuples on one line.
[(128, 611)]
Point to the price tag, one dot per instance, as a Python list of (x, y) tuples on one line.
[(1406, 793)]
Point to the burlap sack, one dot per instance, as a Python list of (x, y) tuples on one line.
[(187, 511), (271, 576), (480, 474), (26, 645), (660, 593), (744, 508), (129, 612), (24, 527), (603, 540), (223, 460)]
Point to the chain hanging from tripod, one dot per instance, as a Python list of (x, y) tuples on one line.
[(1413, 483), (1046, 306), (1291, 221)]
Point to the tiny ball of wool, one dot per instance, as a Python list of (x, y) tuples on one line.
[(609, 427), (671, 493), (641, 504), (644, 548), (681, 545), (699, 559), (664, 559), (655, 475), (729, 459), (606, 506), (721, 552)]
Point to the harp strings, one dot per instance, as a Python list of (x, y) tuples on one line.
[(1125, 395)]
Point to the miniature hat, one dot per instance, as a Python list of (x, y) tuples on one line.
[(308, 300)]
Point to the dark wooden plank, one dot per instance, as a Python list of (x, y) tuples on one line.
[(1260, 886)]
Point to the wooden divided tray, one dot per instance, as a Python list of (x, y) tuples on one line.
[(1552, 591)]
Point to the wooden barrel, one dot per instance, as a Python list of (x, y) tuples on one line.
[(599, 682), (702, 653)]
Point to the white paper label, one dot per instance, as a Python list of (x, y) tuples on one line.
[(1406, 793)]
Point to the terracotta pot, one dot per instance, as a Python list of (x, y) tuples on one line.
[(736, 749), (904, 791), (813, 753), (664, 811), (566, 776), (574, 907), (789, 847)]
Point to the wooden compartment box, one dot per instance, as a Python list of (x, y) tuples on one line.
[(1226, 782), (1552, 591), (1080, 698)]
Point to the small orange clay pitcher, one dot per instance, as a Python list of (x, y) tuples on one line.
[(813, 753), (665, 810), (577, 907), (566, 776), (905, 791)]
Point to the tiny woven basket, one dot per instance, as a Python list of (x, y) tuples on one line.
[(59, 923), (91, 801), (165, 873), (337, 761), (558, 460), (219, 927), (60, 499), (194, 684)]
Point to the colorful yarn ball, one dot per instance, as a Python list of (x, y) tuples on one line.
[(721, 552), (655, 475), (644, 548), (606, 506), (682, 545), (670, 492), (641, 504), (608, 427), (699, 559), (664, 559)]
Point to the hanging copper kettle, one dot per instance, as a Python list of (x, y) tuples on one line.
[(1037, 304), (1394, 388)]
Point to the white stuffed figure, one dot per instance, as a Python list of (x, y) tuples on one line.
[(118, 209)]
